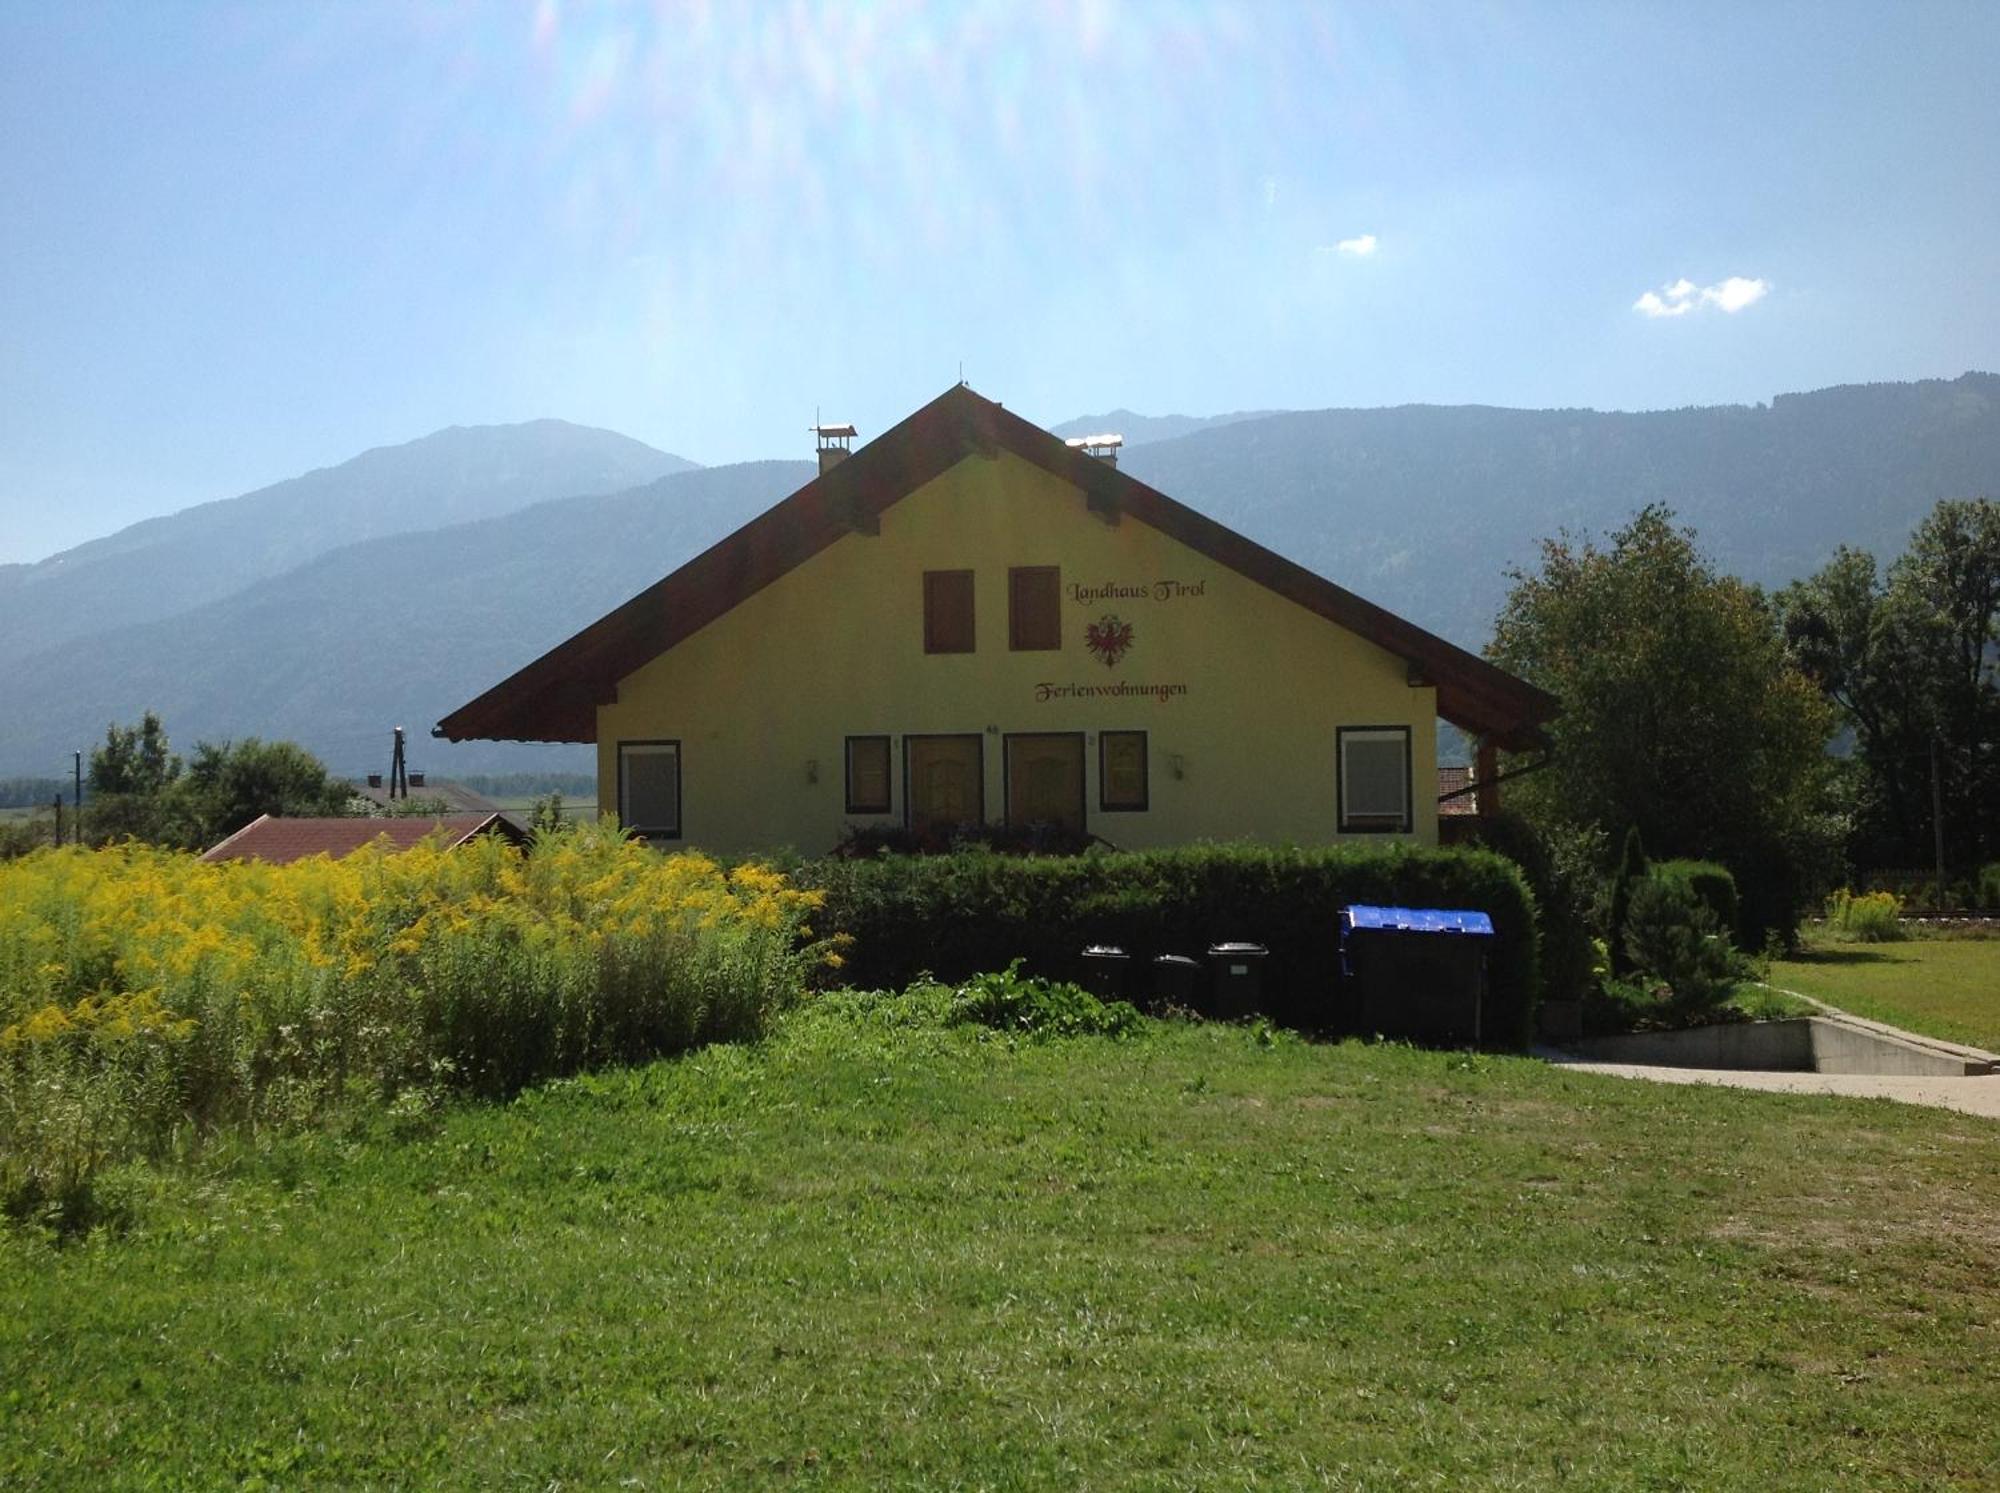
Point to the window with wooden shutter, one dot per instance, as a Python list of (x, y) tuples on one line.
[(867, 774), (948, 611), (1034, 608)]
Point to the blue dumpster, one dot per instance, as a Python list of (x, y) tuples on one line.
[(1417, 974)]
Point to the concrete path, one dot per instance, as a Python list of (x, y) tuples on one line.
[(1972, 1096)]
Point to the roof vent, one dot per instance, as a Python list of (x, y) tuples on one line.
[(832, 442), (1103, 447)]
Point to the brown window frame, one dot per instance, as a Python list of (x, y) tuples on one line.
[(1409, 815), (1104, 803), (680, 805), (854, 805), (1016, 641), (933, 643)]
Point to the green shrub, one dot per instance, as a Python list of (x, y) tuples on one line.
[(1009, 1001), (1989, 887), (1673, 939), (962, 914), (1872, 917), (1770, 889), (1560, 866), (1710, 884)]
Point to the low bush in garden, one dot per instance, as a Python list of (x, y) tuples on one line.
[(1710, 884), (1870, 917), (971, 912), (1676, 948), (147, 998), (1010, 1001)]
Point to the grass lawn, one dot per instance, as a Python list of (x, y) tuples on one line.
[(867, 1255), (1947, 987)]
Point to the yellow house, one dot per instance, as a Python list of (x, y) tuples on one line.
[(971, 621)]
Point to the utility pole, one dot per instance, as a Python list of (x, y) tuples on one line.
[(1937, 820), (78, 800), (399, 773), (58, 821)]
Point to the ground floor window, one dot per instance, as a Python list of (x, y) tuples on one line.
[(1374, 779), (1121, 771), (649, 788), (867, 774), (1045, 780), (944, 782)]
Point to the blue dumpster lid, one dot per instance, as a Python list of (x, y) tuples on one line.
[(1418, 919)]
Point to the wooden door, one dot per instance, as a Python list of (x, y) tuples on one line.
[(1045, 780), (944, 782)]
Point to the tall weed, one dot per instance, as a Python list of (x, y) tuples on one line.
[(147, 998)]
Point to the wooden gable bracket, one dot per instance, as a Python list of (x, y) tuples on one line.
[(1419, 677), (849, 511), (1103, 501)]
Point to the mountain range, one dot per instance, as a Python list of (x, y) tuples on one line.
[(394, 587)]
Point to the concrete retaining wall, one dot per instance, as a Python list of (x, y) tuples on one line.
[(1813, 1044)]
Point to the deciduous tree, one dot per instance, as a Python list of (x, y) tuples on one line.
[(1682, 715)]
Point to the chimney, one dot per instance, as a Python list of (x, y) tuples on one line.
[(1103, 447), (831, 441)]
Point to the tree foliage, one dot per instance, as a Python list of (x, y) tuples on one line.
[(141, 790), (1682, 715), (1904, 655)]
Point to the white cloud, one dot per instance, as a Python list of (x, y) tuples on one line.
[(1360, 247), (1728, 296), (1733, 294)]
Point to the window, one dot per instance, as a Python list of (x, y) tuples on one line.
[(867, 774), (649, 788), (1121, 771), (1374, 779), (1034, 608), (944, 782), (947, 611), (1045, 780)]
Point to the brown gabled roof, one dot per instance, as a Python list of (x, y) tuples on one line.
[(555, 698), (282, 841)]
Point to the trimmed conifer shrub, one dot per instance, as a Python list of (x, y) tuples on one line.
[(1632, 869), (1711, 884)]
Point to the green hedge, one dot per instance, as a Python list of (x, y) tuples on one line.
[(962, 914), (1710, 884)]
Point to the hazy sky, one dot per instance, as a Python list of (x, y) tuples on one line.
[(237, 242)]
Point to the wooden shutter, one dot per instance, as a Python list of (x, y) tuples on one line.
[(1034, 608), (948, 611)]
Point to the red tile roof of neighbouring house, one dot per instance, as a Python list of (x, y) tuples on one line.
[(279, 842), (1455, 780), (555, 698)]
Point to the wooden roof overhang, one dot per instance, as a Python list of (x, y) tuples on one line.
[(556, 697)]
